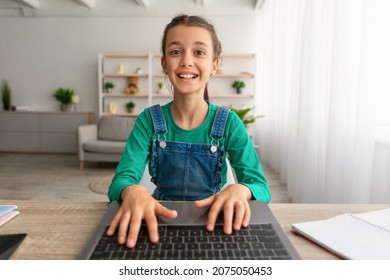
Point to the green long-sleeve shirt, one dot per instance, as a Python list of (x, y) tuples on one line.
[(238, 146)]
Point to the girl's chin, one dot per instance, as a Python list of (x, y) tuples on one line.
[(187, 89), (189, 92)]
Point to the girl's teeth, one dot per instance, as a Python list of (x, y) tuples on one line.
[(187, 76)]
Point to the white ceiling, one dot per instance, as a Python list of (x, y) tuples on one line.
[(125, 8)]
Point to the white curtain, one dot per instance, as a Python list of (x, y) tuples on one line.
[(324, 88)]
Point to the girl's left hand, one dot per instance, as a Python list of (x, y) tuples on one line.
[(233, 200)]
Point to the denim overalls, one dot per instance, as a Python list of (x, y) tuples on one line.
[(186, 171)]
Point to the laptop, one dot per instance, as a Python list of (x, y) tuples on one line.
[(186, 238)]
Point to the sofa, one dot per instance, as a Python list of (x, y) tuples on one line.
[(104, 141)]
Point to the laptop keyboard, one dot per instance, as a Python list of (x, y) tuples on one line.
[(193, 242)]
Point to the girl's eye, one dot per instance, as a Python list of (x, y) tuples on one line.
[(200, 53), (175, 52)]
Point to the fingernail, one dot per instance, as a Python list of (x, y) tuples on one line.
[(130, 243), (121, 240)]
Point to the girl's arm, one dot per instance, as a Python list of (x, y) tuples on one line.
[(244, 160), (134, 158)]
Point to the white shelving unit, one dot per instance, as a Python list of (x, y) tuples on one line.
[(232, 67)]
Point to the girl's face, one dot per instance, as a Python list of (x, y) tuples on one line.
[(188, 59)]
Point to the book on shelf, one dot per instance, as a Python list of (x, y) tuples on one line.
[(7, 213), (363, 236)]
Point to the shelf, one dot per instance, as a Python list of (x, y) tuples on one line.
[(239, 55), (120, 56), (123, 95), (121, 114), (162, 95), (231, 95), (241, 75), (113, 75)]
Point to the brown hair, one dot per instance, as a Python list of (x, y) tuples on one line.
[(194, 21)]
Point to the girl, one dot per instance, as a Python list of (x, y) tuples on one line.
[(185, 143)]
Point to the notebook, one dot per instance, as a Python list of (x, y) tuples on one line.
[(364, 236), (186, 237), (5, 209), (7, 213)]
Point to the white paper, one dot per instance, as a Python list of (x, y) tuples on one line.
[(4, 209), (5, 218), (352, 236)]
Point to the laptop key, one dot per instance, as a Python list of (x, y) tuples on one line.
[(244, 246), (199, 254), (218, 246), (131, 255), (159, 255), (166, 246), (173, 254), (231, 246), (192, 246), (272, 245), (100, 255), (185, 255), (205, 246), (118, 255)]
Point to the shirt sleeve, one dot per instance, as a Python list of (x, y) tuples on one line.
[(134, 158), (244, 160)]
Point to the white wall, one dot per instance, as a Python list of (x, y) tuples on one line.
[(38, 55)]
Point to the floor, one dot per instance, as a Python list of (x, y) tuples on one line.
[(57, 177)]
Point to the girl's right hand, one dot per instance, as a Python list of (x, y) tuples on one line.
[(137, 205)]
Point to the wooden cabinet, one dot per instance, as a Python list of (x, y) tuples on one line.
[(49, 132), (117, 68)]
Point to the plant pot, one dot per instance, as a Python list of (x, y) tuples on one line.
[(64, 107), (239, 90), (7, 106)]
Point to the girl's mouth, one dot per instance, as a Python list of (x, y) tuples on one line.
[(187, 76)]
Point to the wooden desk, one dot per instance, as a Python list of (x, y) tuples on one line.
[(61, 229)]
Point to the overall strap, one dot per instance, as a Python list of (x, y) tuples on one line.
[(220, 119), (160, 127)]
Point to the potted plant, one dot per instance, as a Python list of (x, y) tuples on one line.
[(130, 106), (242, 114), (108, 86), (238, 85), (6, 95), (160, 86), (64, 96)]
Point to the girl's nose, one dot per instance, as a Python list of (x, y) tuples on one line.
[(187, 60)]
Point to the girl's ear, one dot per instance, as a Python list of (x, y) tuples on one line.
[(214, 67), (164, 65)]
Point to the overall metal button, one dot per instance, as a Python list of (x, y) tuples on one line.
[(213, 149), (163, 144)]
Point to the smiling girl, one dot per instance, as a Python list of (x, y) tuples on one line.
[(185, 144)]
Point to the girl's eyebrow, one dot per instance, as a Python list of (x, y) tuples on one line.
[(198, 43)]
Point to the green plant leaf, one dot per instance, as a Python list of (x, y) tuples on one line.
[(64, 95)]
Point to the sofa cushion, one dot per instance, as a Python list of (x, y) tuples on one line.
[(104, 147), (115, 128)]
